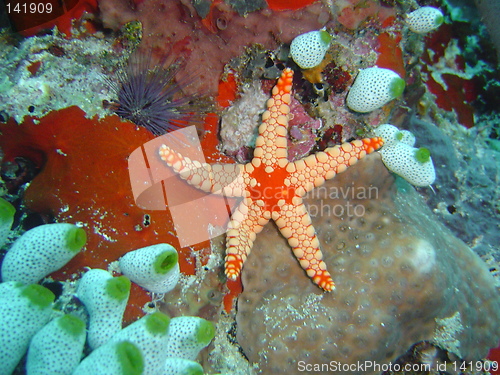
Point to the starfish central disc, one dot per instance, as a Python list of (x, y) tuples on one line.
[(272, 187)]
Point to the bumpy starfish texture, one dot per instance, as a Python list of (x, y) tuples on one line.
[(272, 187)]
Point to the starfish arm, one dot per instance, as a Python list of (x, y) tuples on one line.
[(231, 179), (313, 170), (271, 144), (227, 179), (295, 225), (247, 220)]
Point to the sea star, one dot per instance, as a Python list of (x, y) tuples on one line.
[(272, 187)]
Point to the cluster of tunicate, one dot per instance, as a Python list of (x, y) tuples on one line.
[(31, 323), (399, 156), (397, 271)]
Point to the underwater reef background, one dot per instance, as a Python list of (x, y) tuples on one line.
[(415, 267)]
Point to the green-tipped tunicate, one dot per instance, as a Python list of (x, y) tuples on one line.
[(118, 288), (41, 251), (24, 310), (105, 299), (165, 261), (57, 348), (149, 334), (391, 135), (71, 325), (308, 50), (373, 88), (38, 295), (188, 335), (424, 20), (413, 165), (155, 268), (113, 358), (399, 156), (397, 87), (157, 323), (205, 332), (130, 358)]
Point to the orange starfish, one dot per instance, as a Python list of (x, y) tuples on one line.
[(272, 187)]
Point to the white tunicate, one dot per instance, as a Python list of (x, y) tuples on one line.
[(105, 298), (41, 251), (388, 133), (24, 310), (155, 268), (424, 20), (309, 49), (57, 348), (113, 358), (373, 88), (187, 335), (149, 334), (402, 159)]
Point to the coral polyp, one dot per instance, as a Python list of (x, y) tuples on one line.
[(151, 97)]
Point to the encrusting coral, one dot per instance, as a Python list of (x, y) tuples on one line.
[(396, 268), (213, 40), (237, 128)]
